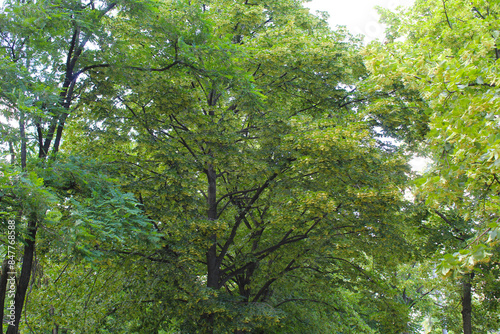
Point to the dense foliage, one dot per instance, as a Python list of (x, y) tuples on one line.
[(446, 51), (225, 166)]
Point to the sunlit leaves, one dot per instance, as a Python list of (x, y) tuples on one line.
[(262, 93), (448, 54)]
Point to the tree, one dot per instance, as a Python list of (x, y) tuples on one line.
[(447, 52), (260, 187), (244, 139), (46, 51)]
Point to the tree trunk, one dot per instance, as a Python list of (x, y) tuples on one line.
[(467, 303), (213, 270), (22, 286), (22, 134), (3, 290)]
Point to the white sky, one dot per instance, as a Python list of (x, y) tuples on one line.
[(359, 16)]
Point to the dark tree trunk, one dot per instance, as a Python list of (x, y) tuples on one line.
[(22, 286), (467, 303), (22, 133), (213, 271), (3, 289)]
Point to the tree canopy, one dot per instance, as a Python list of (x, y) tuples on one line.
[(234, 167), (446, 52)]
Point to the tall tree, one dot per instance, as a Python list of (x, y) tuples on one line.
[(46, 50), (240, 128), (245, 140), (447, 51)]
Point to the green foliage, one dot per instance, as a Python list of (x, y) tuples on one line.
[(261, 97), (447, 53), (93, 215), (237, 181)]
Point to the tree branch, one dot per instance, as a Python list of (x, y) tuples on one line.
[(241, 215), (446, 14), (272, 280), (443, 217), (306, 300)]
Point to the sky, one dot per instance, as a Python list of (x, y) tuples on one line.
[(359, 16)]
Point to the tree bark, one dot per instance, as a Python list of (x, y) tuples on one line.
[(22, 286), (213, 272), (3, 290), (467, 303), (22, 133)]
